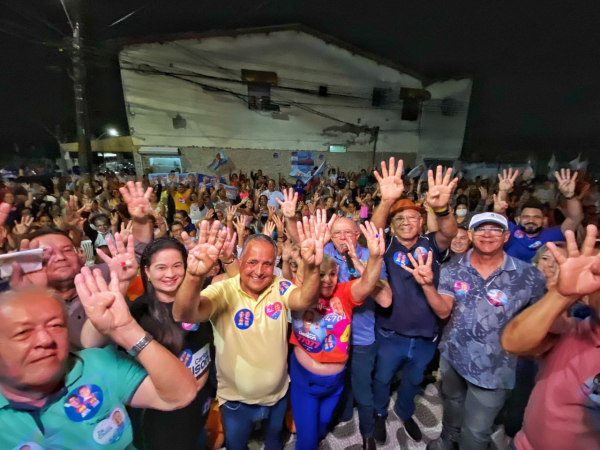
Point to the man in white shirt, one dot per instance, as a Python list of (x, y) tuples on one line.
[(272, 194)]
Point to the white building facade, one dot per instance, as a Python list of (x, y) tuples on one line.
[(260, 94)]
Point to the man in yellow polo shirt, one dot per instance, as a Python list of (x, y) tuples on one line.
[(249, 318)]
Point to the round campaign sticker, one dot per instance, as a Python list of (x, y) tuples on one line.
[(206, 406), (274, 310), (190, 326), (400, 259), (181, 200), (423, 253), (28, 446), (536, 245), (329, 343), (186, 357), (83, 402), (519, 234), (496, 297), (243, 319), (284, 286), (461, 287), (110, 430)]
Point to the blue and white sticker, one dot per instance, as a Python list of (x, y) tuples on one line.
[(536, 245), (190, 326), (197, 362), (284, 286), (83, 402), (401, 259), (519, 234), (496, 297), (329, 343), (424, 253), (28, 446), (111, 429), (243, 318)]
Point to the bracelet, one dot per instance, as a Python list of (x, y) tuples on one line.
[(229, 262), (141, 345), (440, 210), (571, 197), (443, 213)]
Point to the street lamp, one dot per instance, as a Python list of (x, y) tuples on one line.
[(110, 131)]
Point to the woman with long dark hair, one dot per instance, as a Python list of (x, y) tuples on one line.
[(163, 266)]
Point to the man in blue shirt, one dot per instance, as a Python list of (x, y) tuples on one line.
[(407, 332), (532, 231), (50, 398), (486, 289)]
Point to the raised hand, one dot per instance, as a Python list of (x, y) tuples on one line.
[(390, 181), (104, 305), (4, 212), (73, 216), (272, 212), (288, 205), (507, 179), (126, 230), (500, 205), (268, 228), (311, 248), (566, 182), (138, 201), (375, 239), (422, 270), (59, 222), (122, 261), (231, 213), (320, 220), (37, 278), (226, 254), (279, 224), (23, 227), (205, 254), (440, 187), (484, 192), (580, 270)]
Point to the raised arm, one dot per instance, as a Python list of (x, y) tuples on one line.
[(288, 209), (535, 330), (370, 276), (311, 251), (507, 181), (138, 205), (574, 213), (391, 188), (189, 306), (169, 384), (438, 196)]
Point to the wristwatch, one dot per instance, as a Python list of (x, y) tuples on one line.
[(141, 345)]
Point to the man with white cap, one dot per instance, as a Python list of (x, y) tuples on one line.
[(487, 288)]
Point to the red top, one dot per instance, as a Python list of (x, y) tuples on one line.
[(323, 331)]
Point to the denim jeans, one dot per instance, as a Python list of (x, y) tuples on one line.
[(469, 411), (239, 419), (314, 398), (363, 366), (395, 352)]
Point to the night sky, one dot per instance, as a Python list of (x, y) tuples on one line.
[(535, 66)]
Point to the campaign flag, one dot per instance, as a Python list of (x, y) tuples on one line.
[(218, 161)]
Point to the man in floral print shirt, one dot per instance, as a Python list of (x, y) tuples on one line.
[(488, 288)]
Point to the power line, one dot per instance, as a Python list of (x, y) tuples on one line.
[(32, 16), (67, 14)]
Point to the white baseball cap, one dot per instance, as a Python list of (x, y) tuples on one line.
[(488, 217)]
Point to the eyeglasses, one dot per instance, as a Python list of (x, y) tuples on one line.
[(492, 231), (337, 234), (398, 220)]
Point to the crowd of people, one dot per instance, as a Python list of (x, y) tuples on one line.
[(295, 303)]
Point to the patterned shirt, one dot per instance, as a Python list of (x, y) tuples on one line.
[(482, 308)]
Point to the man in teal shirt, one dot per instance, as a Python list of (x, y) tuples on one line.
[(50, 398)]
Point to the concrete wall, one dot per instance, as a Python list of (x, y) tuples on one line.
[(442, 135), (215, 119)]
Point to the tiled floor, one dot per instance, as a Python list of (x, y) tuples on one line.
[(346, 436)]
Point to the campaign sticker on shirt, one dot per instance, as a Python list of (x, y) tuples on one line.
[(206, 406), (196, 362), (83, 402), (519, 234), (496, 297), (190, 326), (243, 319), (110, 430), (401, 259), (283, 287), (461, 287), (536, 245), (181, 199), (28, 446), (274, 310), (423, 253), (329, 343)]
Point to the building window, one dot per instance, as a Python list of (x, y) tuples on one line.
[(259, 89), (338, 148)]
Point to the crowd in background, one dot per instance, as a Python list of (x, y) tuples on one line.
[(368, 271)]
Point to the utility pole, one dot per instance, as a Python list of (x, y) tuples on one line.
[(81, 110)]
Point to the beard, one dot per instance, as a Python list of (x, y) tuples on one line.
[(529, 229)]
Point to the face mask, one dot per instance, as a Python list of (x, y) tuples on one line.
[(461, 212)]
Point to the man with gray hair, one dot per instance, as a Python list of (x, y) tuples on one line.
[(249, 318)]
